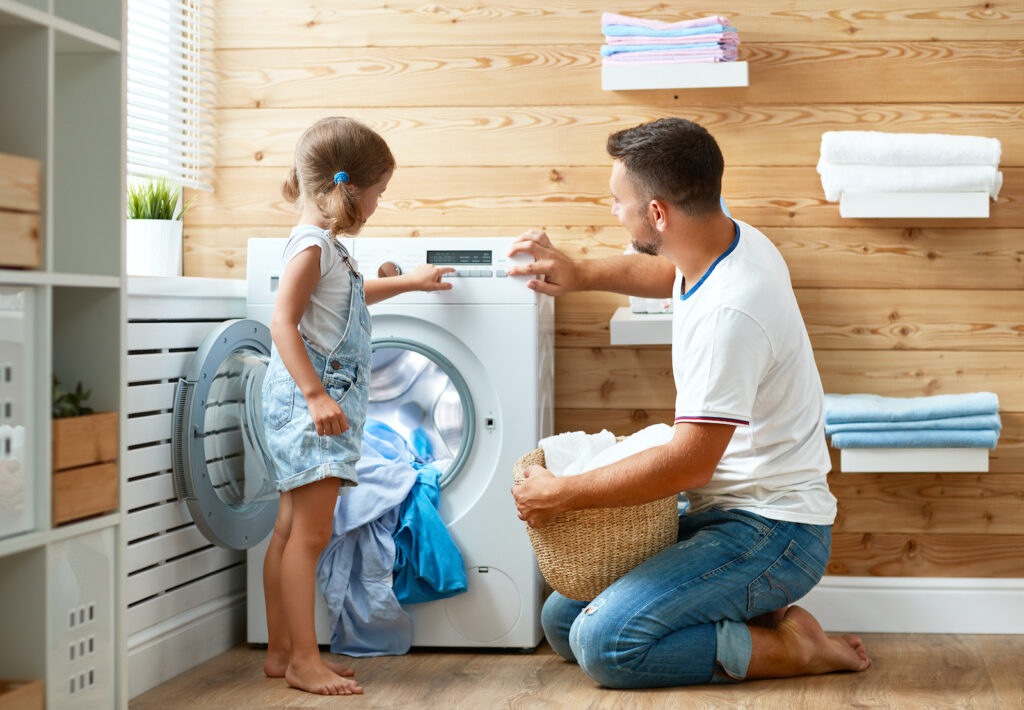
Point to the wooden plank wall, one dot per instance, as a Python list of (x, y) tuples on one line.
[(496, 116)]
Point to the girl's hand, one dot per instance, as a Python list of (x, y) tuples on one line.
[(427, 277), (327, 415)]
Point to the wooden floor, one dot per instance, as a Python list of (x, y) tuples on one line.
[(927, 672)]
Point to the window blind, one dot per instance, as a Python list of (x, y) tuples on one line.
[(170, 82)]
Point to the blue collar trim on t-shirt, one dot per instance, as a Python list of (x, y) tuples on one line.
[(727, 252)]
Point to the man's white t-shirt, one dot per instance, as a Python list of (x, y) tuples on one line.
[(741, 356), (326, 316)]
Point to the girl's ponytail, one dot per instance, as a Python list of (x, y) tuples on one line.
[(290, 187), (342, 210)]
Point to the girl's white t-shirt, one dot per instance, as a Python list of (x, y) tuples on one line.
[(326, 316), (741, 356)]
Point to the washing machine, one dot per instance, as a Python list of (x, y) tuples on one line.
[(468, 371)]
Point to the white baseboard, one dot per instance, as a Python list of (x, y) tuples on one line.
[(918, 605), (158, 654)]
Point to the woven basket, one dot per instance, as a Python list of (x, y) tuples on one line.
[(581, 552)]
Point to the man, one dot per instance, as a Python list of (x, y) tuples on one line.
[(748, 447)]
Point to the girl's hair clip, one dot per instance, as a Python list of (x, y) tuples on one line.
[(340, 177)]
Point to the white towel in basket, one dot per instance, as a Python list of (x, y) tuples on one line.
[(576, 452), (566, 454)]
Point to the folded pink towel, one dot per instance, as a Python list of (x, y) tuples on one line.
[(610, 18), (721, 37)]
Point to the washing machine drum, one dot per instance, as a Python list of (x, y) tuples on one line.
[(221, 466)]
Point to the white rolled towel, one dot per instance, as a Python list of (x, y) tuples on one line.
[(837, 178), (877, 148)]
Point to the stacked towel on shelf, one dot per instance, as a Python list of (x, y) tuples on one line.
[(871, 161), (633, 40), (857, 421)]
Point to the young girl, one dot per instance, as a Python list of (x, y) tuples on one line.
[(317, 383)]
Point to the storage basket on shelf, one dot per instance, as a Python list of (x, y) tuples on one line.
[(581, 552)]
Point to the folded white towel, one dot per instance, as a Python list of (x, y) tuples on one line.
[(837, 178), (575, 452), (877, 148), (566, 454)]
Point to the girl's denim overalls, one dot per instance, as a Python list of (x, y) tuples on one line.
[(299, 454)]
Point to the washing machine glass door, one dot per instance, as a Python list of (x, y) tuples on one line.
[(417, 391), (221, 467)]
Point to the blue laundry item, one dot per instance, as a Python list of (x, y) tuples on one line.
[(352, 571), (917, 438), (975, 421), (629, 30), (608, 50), (845, 408), (428, 564)]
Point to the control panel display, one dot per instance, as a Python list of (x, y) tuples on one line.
[(458, 257)]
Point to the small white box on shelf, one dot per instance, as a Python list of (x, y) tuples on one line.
[(914, 205), (680, 75), (914, 460), (17, 437)]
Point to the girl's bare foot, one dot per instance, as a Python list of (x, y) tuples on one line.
[(275, 665), (314, 677), (814, 652)]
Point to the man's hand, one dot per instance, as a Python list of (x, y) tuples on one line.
[(558, 273), (537, 497)]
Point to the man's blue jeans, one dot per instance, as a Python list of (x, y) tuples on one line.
[(678, 618)]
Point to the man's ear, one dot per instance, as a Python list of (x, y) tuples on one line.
[(657, 212)]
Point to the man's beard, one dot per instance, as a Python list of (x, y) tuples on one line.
[(652, 246)]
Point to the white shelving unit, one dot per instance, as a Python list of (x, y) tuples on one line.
[(696, 75), (914, 205), (62, 79)]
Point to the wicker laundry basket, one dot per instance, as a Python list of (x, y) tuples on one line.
[(581, 552)]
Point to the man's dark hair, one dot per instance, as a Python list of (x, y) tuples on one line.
[(674, 160)]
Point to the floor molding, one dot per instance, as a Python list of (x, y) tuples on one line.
[(918, 605), (157, 655)]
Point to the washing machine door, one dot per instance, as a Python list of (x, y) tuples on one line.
[(417, 391), (221, 467)]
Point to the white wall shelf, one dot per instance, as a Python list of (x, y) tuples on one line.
[(628, 328), (914, 205), (914, 460), (62, 76), (695, 75), (52, 278)]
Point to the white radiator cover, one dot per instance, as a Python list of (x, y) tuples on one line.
[(185, 597)]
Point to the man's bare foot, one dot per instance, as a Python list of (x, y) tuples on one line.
[(814, 652), (276, 664), (770, 619), (316, 678)]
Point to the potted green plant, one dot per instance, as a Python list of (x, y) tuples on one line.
[(154, 229)]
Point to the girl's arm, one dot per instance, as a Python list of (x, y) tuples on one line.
[(301, 275), (425, 277)]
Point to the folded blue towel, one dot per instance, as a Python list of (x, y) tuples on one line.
[(976, 421), (630, 30), (953, 438), (608, 50), (845, 408)]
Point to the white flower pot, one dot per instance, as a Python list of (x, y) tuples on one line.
[(154, 247)]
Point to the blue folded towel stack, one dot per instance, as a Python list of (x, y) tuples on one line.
[(860, 421)]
